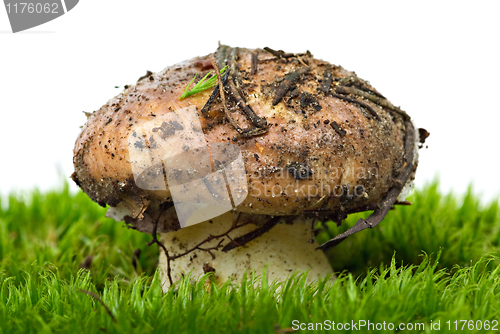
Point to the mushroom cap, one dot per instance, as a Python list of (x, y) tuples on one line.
[(320, 152)]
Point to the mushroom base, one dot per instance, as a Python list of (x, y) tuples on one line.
[(284, 249)]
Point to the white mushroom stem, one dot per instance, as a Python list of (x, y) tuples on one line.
[(284, 249)]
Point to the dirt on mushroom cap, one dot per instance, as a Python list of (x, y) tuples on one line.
[(322, 149)]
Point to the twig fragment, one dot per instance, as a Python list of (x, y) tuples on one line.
[(255, 58), (359, 84), (221, 55), (162, 246), (198, 247), (90, 293), (148, 73), (233, 227), (279, 53), (361, 103), (338, 128), (236, 95), (213, 96), (326, 83), (223, 98), (388, 200), (288, 82), (237, 242), (375, 99)]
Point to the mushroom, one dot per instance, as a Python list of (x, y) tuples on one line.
[(235, 176)]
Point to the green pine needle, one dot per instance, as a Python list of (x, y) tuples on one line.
[(201, 85)]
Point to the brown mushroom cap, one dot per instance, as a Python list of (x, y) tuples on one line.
[(321, 151)]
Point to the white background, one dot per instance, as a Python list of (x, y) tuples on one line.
[(438, 61)]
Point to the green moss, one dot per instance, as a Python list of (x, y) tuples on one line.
[(46, 237), (462, 228)]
